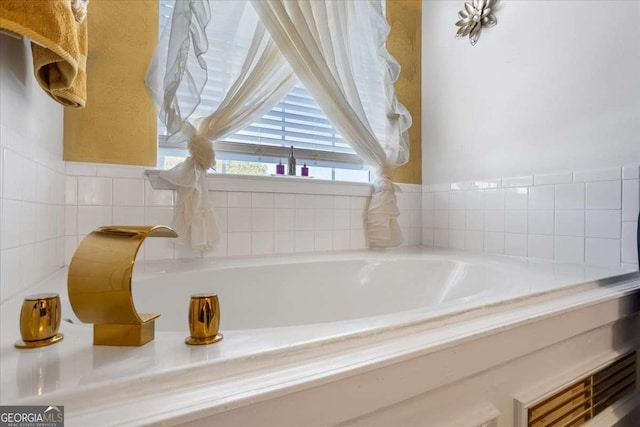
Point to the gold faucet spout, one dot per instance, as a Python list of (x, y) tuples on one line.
[(99, 284)]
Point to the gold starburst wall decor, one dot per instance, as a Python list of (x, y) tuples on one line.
[(474, 16)]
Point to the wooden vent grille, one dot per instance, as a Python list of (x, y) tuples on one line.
[(586, 398)]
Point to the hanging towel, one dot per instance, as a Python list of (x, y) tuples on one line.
[(59, 44)]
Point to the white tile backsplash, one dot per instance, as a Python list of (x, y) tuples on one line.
[(283, 242), (32, 185), (569, 223), (516, 198), (457, 220), (359, 203), (456, 239), (577, 217), (519, 181), (515, 244), (323, 240), (239, 219), (569, 249), (540, 246), (604, 195), (304, 241), (10, 229), (238, 199), (608, 174), (548, 220), (220, 199), (357, 219), (283, 201), (605, 223), (630, 199), (263, 200), (494, 199), (457, 200), (441, 219), (251, 223), (222, 216), (474, 241), (71, 190), (341, 240), (602, 252), (153, 197), (631, 171), (494, 221), (306, 201), (475, 220), (324, 219), (122, 215), (441, 201), (427, 237), (515, 221), (31, 179), (28, 222), (570, 196), (441, 238), (262, 219), (357, 239), (127, 192), (283, 219), (339, 202), (94, 191), (475, 199), (541, 197), (156, 215), (427, 219), (92, 217), (494, 242), (540, 222), (238, 244), (12, 171), (262, 243), (629, 242), (553, 178), (427, 201)]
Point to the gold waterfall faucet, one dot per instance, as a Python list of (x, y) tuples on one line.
[(99, 284)]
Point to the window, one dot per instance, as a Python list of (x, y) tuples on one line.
[(296, 121)]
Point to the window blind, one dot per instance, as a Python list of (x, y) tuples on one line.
[(296, 121)]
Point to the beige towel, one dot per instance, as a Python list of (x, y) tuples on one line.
[(59, 45)]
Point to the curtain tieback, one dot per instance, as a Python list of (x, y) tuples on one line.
[(201, 150), (384, 179)]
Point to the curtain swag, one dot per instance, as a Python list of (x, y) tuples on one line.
[(336, 49)]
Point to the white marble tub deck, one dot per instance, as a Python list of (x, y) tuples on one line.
[(288, 322)]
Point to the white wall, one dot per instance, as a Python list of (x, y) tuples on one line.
[(554, 86), (31, 173)]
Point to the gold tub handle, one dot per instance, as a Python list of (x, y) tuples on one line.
[(99, 284)]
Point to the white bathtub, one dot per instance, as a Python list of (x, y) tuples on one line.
[(312, 290), (270, 306)]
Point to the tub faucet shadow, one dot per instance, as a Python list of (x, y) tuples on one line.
[(99, 284)]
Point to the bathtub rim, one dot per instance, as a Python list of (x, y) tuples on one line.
[(604, 290)]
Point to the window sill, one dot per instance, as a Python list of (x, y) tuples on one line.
[(271, 184)]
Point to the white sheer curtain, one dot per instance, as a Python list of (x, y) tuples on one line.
[(251, 76), (337, 50)]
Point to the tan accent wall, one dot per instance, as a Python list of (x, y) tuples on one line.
[(118, 124), (405, 44)]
